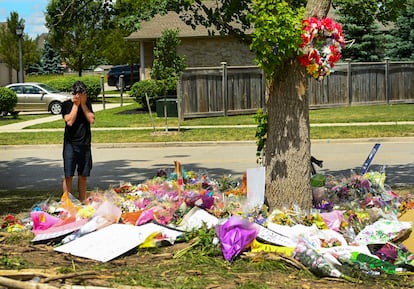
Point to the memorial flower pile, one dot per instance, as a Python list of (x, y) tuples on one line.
[(360, 225)]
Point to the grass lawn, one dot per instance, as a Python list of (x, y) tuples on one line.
[(131, 117)]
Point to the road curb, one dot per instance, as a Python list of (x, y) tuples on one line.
[(213, 143)]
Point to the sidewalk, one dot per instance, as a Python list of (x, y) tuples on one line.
[(19, 126)]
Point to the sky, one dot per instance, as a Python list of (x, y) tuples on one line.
[(32, 11)]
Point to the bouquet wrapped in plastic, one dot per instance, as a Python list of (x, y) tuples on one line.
[(315, 261), (235, 235)]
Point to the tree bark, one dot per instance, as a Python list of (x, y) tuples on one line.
[(287, 155), (317, 8), (288, 142)]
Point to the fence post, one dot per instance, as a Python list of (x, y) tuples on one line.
[(179, 102), (103, 91), (349, 80), (224, 86), (121, 85), (387, 80)]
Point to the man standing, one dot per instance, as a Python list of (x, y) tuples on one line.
[(78, 115)]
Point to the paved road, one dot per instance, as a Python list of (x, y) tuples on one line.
[(40, 167)]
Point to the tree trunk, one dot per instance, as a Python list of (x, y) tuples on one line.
[(80, 65), (288, 141), (317, 8)]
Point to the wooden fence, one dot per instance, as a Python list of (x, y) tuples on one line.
[(221, 91), (364, 83), (229, 90)]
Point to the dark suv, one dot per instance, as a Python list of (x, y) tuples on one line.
[(129, 78)]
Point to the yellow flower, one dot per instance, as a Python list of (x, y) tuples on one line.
[(312, 68), (86, 212), (15, 228)]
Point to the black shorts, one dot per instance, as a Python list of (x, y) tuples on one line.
[(77, 156)]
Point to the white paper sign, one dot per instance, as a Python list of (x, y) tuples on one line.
[(195, 219), (114, 240), (255, 186), (274, 237)]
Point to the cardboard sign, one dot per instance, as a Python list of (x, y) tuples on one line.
[(409, 242)]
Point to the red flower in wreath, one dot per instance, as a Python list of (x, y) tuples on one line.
[(321, 47)]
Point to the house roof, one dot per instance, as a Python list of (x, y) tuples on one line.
[(153, 28)]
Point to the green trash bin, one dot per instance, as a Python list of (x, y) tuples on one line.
[(170, 109)]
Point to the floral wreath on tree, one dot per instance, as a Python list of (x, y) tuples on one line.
[(321, 47)]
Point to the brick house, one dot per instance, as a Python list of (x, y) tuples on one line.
[(7, 75), (197, 46)]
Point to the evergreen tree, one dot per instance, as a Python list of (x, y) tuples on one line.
[(50, 61), (360, 21), (366, 40), (401, 42)]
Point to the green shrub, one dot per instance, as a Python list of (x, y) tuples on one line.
[(143, 88), (93, 85), (155, 89), (170, 85), (8, 99)]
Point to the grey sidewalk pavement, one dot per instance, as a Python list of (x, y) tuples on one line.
[(19, 126)]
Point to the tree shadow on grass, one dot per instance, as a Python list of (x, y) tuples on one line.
[(23, 201)]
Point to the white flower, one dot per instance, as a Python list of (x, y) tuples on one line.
[(326, 50)]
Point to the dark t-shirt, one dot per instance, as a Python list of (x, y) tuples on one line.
[(80, 132)]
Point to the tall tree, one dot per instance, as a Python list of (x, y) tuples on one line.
[(288, 141), (116, 50), (287, 150), (130, 13), (9, 48), (76, 29)]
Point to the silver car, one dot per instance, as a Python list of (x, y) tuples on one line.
[(34, 96)]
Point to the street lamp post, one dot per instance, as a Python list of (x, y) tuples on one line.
[(19, 33)]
